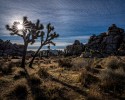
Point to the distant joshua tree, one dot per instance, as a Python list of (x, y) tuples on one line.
[(30, 31)]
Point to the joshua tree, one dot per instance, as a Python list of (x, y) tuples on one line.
[(49, 36), (30, 31)]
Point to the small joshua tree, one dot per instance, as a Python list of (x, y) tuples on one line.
[(30, 31), (49, 36)]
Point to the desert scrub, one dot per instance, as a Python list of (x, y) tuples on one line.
[(18, 93), (65, 63), (35, 80), (20, 74), (114, 63), (112, 81), (6, 68), (43, 73), (78, 63), (87, 78), (94, 93)]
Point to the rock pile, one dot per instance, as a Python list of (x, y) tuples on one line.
[(107, 43), (75, 49), (7, 48)]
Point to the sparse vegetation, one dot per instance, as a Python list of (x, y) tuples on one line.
[(112, 81), (43, 73), (75, 78), (6, 68), (35, 80), (67, 63), (20, 93)]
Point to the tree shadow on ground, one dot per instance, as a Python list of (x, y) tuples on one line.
[(74, 88), (36, 91)]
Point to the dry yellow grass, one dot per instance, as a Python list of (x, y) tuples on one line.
[(57, 82)]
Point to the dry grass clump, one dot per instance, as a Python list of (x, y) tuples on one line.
[(112, 81), (43, 73), (6, 68), (94, 93), (65, 63), (17, 64), (114, 63), (78, 62), (35, 80), (18, 93), (20, 74)]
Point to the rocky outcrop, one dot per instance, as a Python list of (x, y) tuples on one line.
[(108, 43), (75, 49), (7, 48)]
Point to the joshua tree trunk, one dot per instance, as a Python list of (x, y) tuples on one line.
[(24, 55), (31, 62)]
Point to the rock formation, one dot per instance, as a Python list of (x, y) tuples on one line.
[(75, 49), (107, 43), (7, 48)]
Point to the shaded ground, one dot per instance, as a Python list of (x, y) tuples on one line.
[(49, 80)]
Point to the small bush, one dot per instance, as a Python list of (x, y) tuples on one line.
[(94, 93), (87, 79), (7, 68), (113, 81), (65, 63), (35, 80), (17, 64), (20, 74), (43, 73), (83, 76), (19, 93), (112, 64), (78, 62)]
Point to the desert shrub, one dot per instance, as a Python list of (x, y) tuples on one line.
[(90, 79), (82, 77), (114, 63), (87, 79), (20, 74), (94, 93), (19, 93), (113, 81), (78, 63), (17, 64), (121, 65), (35, 80), (7, 68), (43, 73), (15, 57), (1, 64), (65, 63)]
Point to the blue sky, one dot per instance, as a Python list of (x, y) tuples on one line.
[(73, 19)]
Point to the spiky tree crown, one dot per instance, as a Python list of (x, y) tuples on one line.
[(32, 31)]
